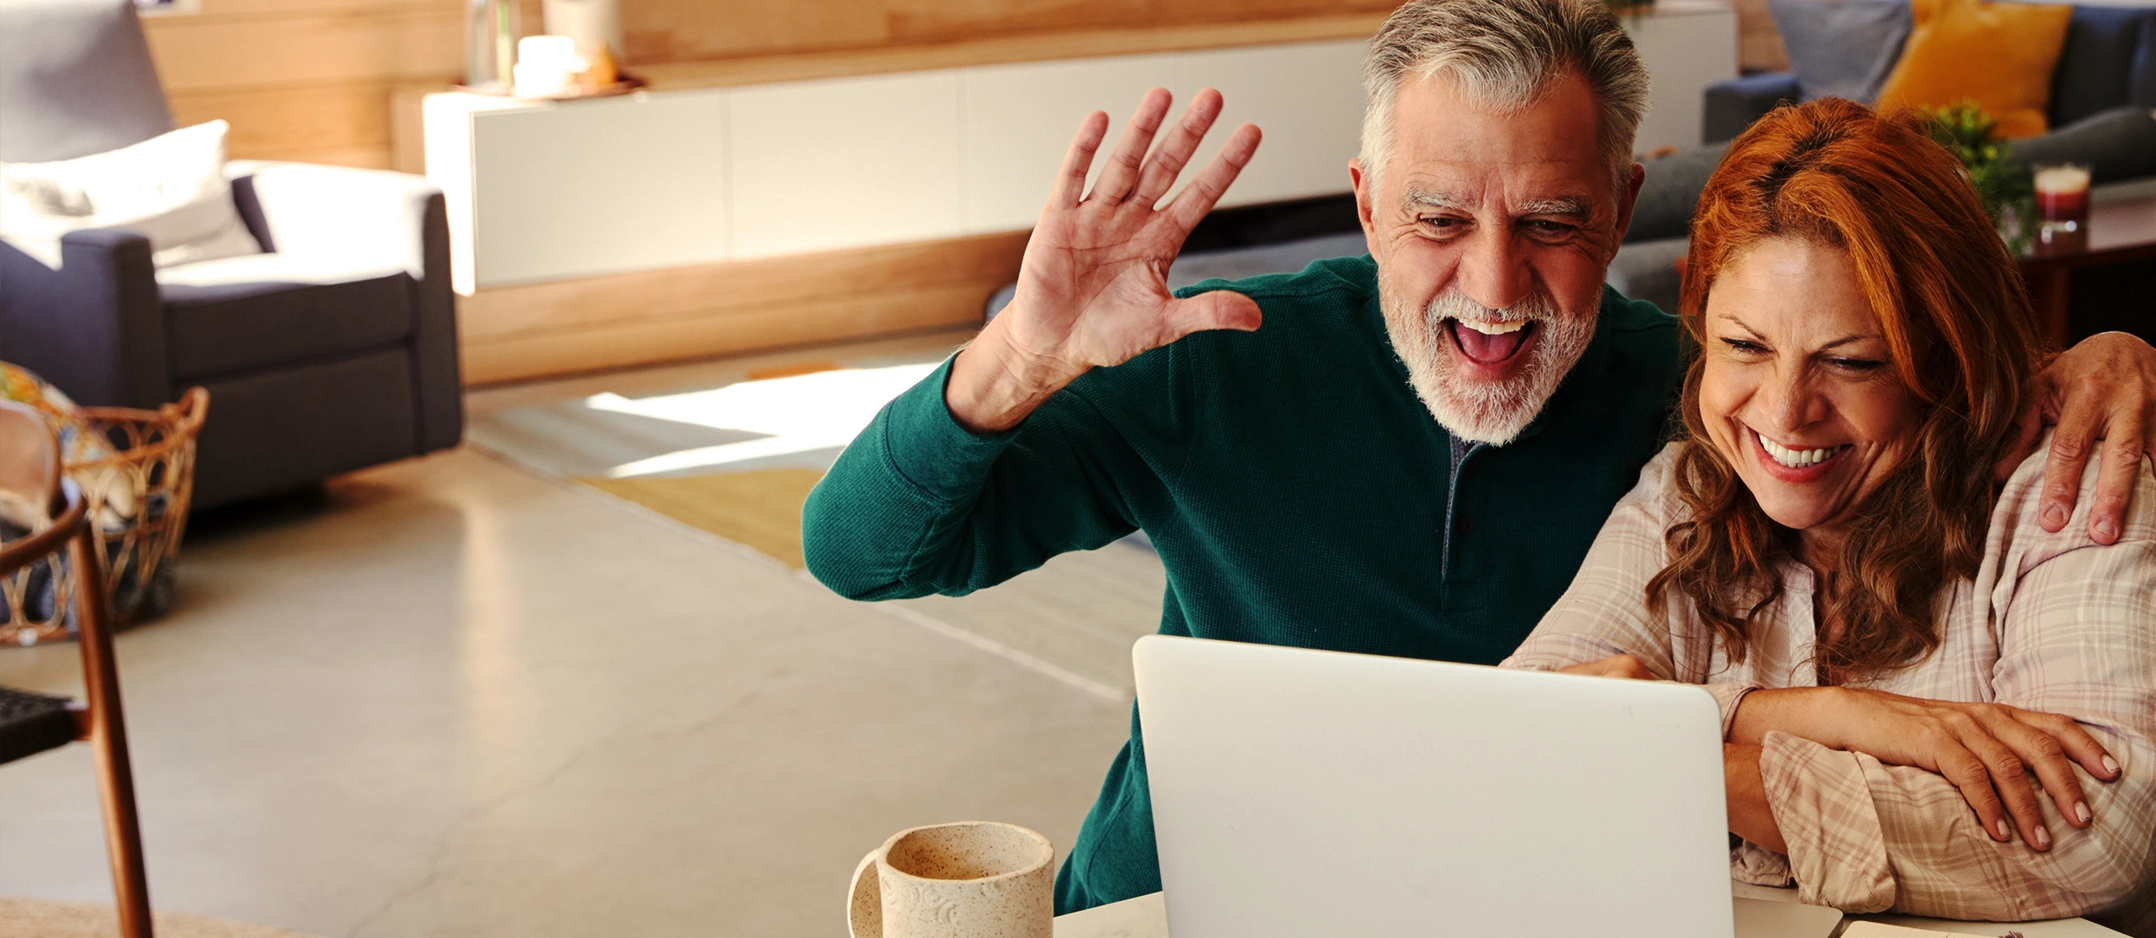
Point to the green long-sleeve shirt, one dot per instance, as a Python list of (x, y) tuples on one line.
[(1297, 490)]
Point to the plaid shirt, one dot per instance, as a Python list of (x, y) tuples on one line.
[(2052, 622)]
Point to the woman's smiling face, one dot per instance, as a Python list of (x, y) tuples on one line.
[(1798, 390)]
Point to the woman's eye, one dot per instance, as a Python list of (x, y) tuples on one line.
[(1744, 347), (1856, 364)]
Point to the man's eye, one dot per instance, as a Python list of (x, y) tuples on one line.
[(1444, 222), (1547, 229)]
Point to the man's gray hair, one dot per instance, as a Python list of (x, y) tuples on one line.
[(1505, 54)]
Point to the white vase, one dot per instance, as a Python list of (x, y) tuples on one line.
[(591, 23)]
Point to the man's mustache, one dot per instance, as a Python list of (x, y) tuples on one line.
[(1454, 304)]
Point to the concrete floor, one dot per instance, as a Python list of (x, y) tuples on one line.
[(456, 699), (1076, 617)]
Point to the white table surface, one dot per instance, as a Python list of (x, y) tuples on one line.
[(1147, 917)]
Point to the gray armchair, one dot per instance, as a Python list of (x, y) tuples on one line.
[(333, 350)]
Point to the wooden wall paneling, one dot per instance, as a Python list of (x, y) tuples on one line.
[(657, 31), (998, 50), (292, 118), (207, 51), (305, 80), (512, 333), (598, 302), (366, 157), (648, 342), (940, 21), (407, 125), (934, 21), (277, 8), (675, 31)]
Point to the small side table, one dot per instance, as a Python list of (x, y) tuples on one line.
[(2121, 229)]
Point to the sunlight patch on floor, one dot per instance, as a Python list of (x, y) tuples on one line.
[(794, 414)]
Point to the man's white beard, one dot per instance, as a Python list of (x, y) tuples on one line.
[(1492, 412)]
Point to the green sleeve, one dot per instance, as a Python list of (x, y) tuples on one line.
[(918, 504)]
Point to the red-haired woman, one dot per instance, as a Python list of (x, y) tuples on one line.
[(1827, 551)]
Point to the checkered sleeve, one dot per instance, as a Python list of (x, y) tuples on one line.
[(2078, 637)]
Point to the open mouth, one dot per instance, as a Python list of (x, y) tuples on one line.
[(1798, 459), (1490, 343)]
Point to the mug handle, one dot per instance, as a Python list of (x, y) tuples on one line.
[(864, 910)]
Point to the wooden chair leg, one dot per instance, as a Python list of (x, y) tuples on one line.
[(108, 739)]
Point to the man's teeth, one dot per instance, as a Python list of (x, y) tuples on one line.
[(1797, 458), (1495, 328)]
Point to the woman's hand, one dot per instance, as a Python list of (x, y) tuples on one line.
[(1987, 750), (1625, 666)]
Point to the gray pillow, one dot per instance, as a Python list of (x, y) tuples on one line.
[(1671, 191), (1842, 48)]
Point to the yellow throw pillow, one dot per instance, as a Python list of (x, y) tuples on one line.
[(1998, 54)]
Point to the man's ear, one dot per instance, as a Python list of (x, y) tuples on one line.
[(1364, 196), (1626, 200)]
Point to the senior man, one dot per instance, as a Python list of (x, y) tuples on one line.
[(1291, 477)]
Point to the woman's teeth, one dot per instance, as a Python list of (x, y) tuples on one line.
[(1495, 328), (1797, 458)]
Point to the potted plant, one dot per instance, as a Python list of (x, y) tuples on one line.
[(1966, 131)]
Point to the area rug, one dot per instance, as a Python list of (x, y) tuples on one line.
[(36, 918), (738, 459), (760, 508)]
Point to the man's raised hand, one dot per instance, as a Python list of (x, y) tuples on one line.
[(1093, 289)]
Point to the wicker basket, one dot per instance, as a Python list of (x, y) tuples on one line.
[(138, 499)]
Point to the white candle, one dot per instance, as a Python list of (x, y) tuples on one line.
[(546, 66)]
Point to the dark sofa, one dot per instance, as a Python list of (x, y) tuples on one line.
[(333, 350), (2102, 94), (2108, 62)]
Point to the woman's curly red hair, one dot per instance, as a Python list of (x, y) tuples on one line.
[(1955, 315)]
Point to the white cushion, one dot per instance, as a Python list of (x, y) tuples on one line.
[(170, 189)]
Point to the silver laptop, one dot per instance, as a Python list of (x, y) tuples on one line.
[(1303, 793)]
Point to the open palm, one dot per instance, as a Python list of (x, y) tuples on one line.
[(1093, 288)]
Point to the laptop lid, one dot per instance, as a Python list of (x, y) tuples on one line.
[(1299, 793)]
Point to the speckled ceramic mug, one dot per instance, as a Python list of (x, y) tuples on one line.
[(972, 879)]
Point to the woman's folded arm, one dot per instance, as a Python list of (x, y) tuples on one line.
[(2078, 638), (1864, 836)]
